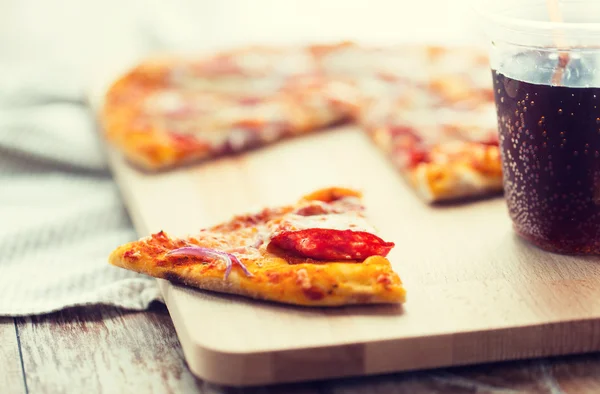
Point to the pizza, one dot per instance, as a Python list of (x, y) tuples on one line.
[(319, 251), (166, 113), (430, 109), (440, 132)]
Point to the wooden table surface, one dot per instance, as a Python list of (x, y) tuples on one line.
[(107, 350)]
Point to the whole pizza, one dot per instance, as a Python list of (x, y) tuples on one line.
[(429, 109)]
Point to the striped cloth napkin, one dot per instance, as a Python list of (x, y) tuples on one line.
[(60, 211)]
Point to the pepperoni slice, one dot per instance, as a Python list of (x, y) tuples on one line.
[(406, 132), (185, 142), (328, 244), (491, 140), (418, 156), (411, 157)]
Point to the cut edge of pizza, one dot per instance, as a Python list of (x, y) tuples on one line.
[(320, 251), (441, 136), (444, 172)]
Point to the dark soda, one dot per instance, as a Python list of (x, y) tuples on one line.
[(550, 146)]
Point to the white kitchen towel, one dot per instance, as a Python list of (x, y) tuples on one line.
[(57, 232), (60, 211)]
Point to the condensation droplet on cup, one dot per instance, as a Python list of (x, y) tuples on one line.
[(560, 111)]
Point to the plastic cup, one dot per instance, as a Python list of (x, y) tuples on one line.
[(546, 74)]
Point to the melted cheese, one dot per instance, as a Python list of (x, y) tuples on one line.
[(251, 242), (343, 221), (165, 101), (220, 127), (252, 86)]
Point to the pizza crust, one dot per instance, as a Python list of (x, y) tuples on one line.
[(472, 170), (330, 284)]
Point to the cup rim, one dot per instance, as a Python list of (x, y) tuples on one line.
[(532, 26)]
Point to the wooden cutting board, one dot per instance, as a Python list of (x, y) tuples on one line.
[(476, 292)]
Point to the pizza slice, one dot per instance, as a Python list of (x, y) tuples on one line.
[(320, 251), (440, 135), (445, 154), (442, 171)]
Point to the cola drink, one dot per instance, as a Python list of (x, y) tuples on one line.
[(550, 148)]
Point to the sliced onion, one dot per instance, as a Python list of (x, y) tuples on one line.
[(257, 242), (202, 252)]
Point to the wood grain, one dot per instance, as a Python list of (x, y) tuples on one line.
[(476, 293), (564, 375), (11, 374), (507, 379), (104, 350)]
